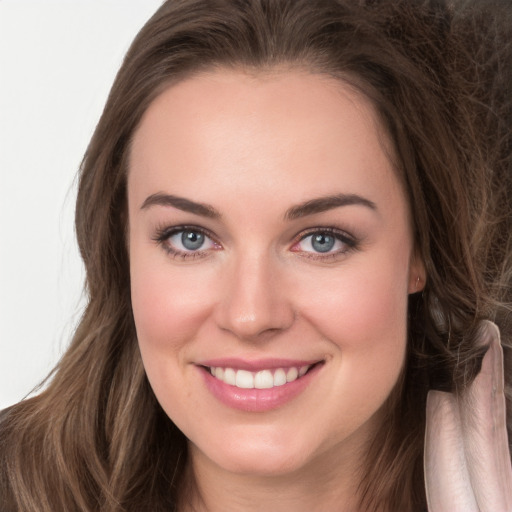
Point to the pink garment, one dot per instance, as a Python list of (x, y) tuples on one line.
[(467, 458)]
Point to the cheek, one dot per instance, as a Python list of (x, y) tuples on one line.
[(363, 314), (365, 306), (168, 306), (168, 312), (368, 331)]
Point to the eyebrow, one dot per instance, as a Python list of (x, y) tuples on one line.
[(310, 207), (186, 205), (322, 204)]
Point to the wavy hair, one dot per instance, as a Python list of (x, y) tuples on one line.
[(439, 74)]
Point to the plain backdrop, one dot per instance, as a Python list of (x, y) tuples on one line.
[(58, 59)]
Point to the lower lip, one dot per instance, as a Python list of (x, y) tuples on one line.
[(257, 400)]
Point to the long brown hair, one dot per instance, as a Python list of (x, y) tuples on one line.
[(439, 74)]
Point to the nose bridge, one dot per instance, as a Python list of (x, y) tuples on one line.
[(254, 302)]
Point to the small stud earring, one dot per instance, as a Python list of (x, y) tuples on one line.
[(417, 283)]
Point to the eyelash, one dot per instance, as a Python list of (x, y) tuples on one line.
[(350, 242), (163, 234)]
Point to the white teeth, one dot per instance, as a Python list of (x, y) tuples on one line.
[(264, 379), (292, 374), (244, 379), (279, 377), (229, 376)]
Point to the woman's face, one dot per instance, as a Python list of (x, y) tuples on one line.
[(269, 236)]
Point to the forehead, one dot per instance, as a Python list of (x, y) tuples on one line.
[(287, 131)]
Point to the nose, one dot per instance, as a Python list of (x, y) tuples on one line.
[(255, 303)]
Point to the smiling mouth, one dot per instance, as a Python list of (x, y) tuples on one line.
[(262, 379)]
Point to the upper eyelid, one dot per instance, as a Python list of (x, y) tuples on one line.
[(330, 230), (170, 230), (164, 232)]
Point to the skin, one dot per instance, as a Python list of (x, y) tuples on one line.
[(253, 146)]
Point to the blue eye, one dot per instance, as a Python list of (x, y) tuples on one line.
[(192, 240), (328, 242), (189, 240), (185, 241), (322, 242)]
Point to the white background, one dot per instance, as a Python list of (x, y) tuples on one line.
[(58, 59)]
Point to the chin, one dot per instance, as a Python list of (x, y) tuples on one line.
[(260, 464), (261, 455)]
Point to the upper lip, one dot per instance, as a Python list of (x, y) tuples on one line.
[(257, 364)]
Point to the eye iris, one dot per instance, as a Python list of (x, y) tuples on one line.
[(322, 242), (192, 240)]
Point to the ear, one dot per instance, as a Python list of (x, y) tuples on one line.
[(417, 273)]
